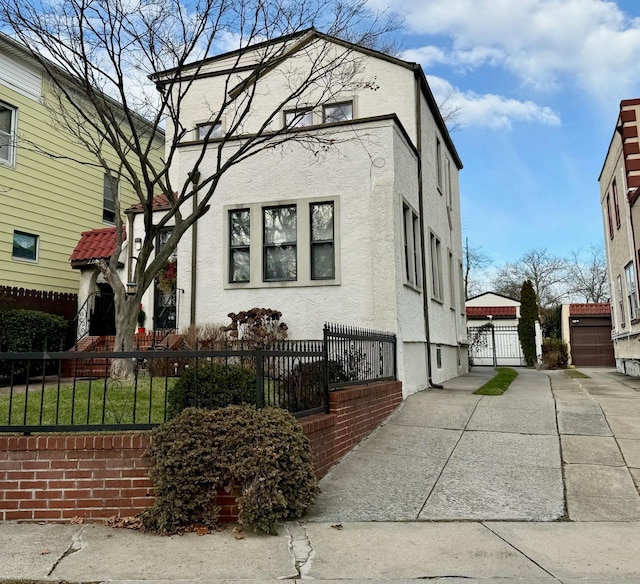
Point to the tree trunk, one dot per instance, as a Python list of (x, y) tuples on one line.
[(126, 322)]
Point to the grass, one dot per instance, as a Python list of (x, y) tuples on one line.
[(85, 402), (499, 383), (576, 374)]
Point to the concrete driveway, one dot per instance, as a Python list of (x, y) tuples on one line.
[(550, 448)]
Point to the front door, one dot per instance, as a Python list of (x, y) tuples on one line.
[(103, 317), (165, 288)]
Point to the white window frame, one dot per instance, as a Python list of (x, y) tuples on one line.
[(436, 267), (36, 238), (452, 280), (632, 291), (412, 249), (304, 244), (463, 308), (9, 138), (620, 300)]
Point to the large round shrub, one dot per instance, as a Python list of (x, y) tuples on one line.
[(212, 385), (264, 452)]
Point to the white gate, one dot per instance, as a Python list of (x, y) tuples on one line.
[(489, 341)]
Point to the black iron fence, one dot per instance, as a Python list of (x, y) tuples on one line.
[(77, 391)]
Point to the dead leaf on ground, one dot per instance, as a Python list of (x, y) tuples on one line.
[(116, 521), (337, 526), (77, 520), (237, 533), (44, 552)]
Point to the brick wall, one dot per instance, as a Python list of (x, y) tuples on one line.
[(62, 477), (57, 478)]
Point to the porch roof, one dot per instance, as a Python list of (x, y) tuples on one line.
[(94, 245), (158, 203)]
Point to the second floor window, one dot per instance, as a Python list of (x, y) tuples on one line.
[(632, 291), (7, 134), (337, 112), (110, 190), (298, 118), (209, 131)]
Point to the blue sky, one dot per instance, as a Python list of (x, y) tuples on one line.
[(539, 84)]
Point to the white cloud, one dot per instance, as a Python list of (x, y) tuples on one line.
[(543, 42), (489, 110)]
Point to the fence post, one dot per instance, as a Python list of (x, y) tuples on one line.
[(259, 377), (325, 357)]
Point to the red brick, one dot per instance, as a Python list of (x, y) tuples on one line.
[(22, 495), (48, 494), (36, 485), (47, 514), (17, 515)]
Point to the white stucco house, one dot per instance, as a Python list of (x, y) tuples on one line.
[(357, 221)]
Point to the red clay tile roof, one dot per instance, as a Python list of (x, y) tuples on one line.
[(600, 309), (94, 245), (495, 311), (159, 203)]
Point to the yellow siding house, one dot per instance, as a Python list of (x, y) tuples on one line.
[(45, 202)]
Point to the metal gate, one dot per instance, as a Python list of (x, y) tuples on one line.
[(483, 340)]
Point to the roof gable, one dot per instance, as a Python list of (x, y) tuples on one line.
[(95, 245)]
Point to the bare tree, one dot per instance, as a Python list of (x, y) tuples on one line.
[(546, 272), (100, 54), (474, 260), (587, 274)]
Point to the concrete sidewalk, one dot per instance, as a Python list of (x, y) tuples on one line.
[(453, 488)]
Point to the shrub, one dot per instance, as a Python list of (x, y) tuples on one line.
[(304, 385), (555, 354), (212, 385), (528, 317), (29, 330), (258, 326), (264, 452)]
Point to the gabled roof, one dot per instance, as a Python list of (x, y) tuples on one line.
[(94, 245), (158, 203), (493, 294), (304, 37), (590, 309)]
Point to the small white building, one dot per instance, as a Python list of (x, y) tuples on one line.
[(365, 233), (492, 325)]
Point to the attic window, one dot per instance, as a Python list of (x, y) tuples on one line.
[(298, 118), (209, 131), (338, 112)]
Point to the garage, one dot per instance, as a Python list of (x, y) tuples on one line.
[(590, 333)]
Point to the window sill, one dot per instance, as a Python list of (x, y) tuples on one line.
[(24, 260), (282, 284), (412, 286), (438, 300), (635, 321)]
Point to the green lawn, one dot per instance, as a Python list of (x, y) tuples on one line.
[(85, 403), (498, 384)]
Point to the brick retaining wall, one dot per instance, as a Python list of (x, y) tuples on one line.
[(57, 478)]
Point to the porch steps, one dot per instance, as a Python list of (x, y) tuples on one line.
[(99, 368)]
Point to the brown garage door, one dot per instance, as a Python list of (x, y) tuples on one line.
[(591, 344)]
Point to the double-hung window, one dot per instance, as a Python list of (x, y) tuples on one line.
[(7, 134), (412, 267), (632, 291), (239, 245), (280, 236), (436, 268), (616, 206), (620, 300), (439, 177), (323, 265), (110, 190)]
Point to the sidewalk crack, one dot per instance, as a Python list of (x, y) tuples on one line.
[(301, 551), (75, 546), (556, 578)]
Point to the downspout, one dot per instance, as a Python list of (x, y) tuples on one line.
[(195, 177), (425, 299)]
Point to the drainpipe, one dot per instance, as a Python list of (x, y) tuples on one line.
[(195, 177), (425, 299)]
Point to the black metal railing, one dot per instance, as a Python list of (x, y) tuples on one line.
[(76, 391)]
